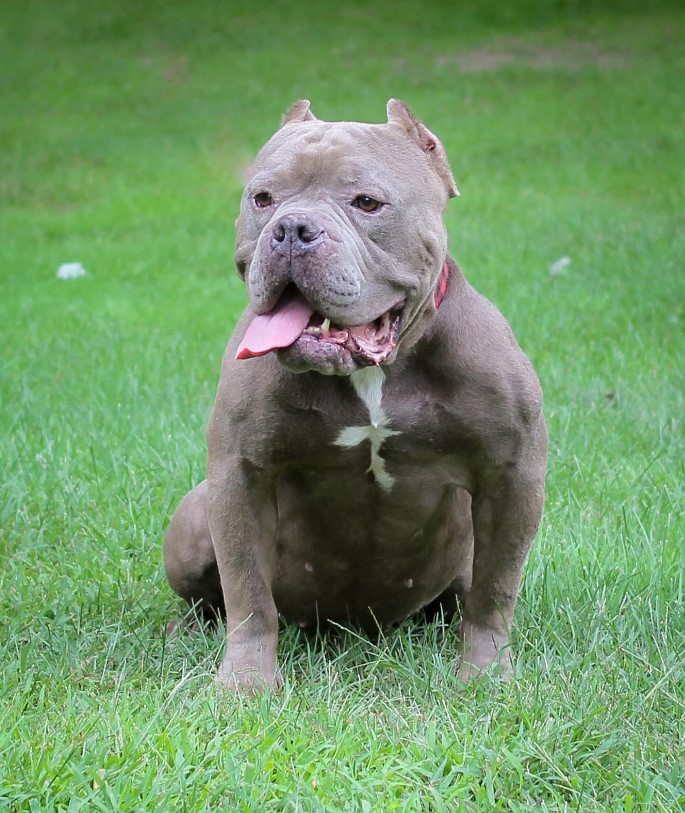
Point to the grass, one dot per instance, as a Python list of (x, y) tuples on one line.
[(125, 130)]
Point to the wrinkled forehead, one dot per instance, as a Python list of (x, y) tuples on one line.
[(341, 153)]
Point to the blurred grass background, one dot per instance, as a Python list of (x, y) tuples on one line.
[(125, 131)]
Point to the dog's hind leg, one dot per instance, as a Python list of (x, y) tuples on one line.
[(189, 558)]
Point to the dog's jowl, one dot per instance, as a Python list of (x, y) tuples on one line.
[(377, 441)]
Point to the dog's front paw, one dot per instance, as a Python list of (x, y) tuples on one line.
[(483, 651), (250, 669)]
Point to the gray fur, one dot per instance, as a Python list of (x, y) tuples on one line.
[(296, 522)]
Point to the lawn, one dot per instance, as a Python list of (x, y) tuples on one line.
[(125, 132)]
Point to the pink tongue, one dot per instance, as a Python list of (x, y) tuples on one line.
[(281, 327)]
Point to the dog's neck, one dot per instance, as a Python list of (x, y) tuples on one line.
[(441, 287)]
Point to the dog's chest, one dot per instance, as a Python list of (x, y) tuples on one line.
[(371, 429), (368, 384)]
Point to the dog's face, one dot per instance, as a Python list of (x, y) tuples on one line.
[(341, 239)]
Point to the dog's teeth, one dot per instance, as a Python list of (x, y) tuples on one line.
[(325, 326)]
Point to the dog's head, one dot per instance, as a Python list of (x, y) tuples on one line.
[(341, 239)]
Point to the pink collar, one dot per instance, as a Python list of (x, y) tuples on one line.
[(441, 287)]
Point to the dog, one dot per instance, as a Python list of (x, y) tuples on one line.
[(377, 442)]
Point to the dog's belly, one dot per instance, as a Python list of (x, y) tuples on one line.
[(346, 551)]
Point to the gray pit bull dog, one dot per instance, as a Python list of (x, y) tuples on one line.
[(377, 441)]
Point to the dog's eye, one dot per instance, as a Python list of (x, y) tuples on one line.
[(366, 203), (262, 200)]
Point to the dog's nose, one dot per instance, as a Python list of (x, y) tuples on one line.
[(298, 229)]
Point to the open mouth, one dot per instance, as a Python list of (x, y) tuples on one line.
[(294, 321), (369, 344)]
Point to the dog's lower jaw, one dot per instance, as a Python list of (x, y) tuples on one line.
[(308, 355), (329, 359)]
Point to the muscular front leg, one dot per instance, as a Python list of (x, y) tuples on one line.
[(242, 529), (506, 514)]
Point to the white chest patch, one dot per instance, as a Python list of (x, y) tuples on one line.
[(368, 382)]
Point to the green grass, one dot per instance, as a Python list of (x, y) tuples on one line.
[(125, 130)]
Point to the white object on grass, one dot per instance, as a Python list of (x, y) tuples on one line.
[(559, 266), (71, 271)]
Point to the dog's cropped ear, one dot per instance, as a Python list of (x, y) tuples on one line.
[(298, 112), (400, 114)]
